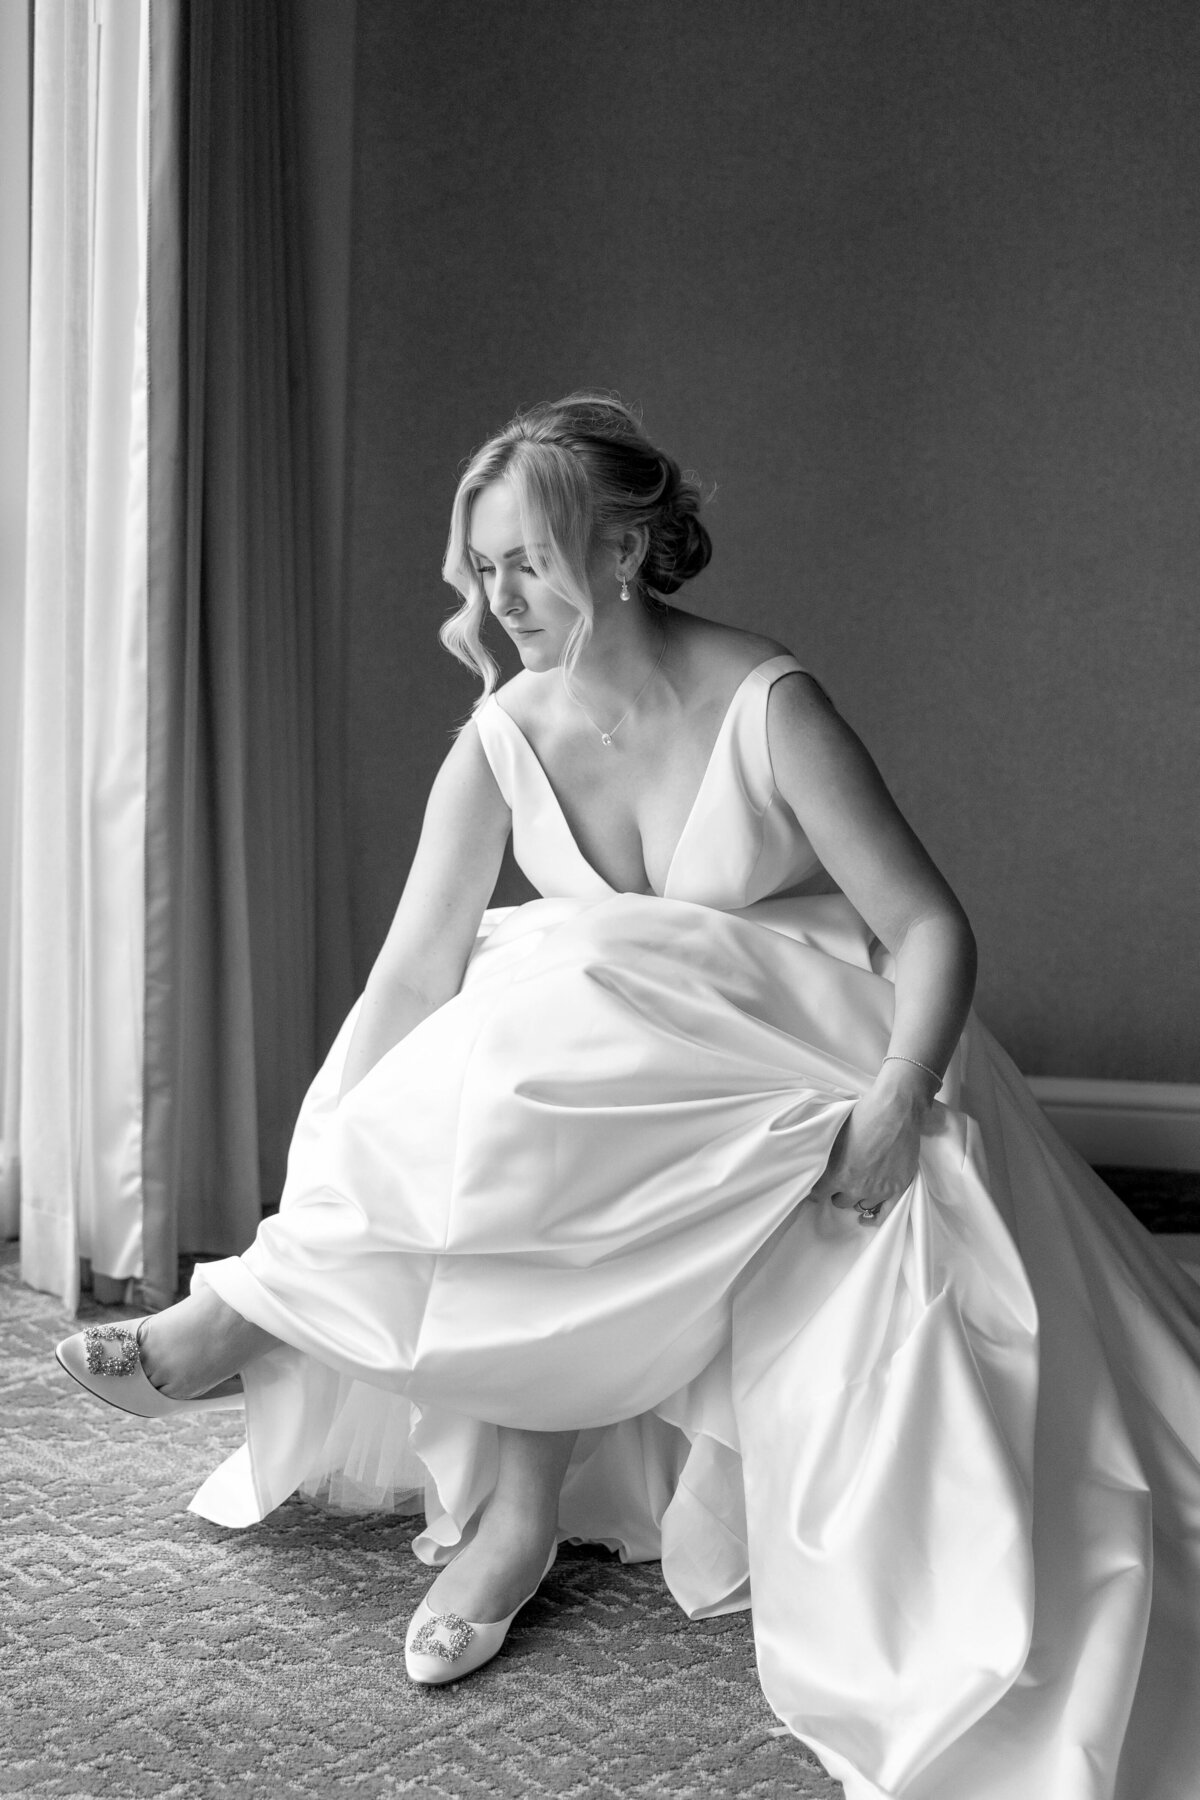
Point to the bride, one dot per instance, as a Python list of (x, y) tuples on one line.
[(687, 1210)]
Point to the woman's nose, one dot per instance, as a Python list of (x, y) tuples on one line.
[(505, 597)]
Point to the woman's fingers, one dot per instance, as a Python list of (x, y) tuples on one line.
[(871, 1164)]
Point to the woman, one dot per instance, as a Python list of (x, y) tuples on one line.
[(542, 1252)]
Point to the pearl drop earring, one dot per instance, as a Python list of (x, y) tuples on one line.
[(624, 588)]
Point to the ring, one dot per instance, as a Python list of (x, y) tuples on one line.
[(868, 1212)]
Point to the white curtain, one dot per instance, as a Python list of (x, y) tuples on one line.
[(80, 844), (15, 49), (179, 938)]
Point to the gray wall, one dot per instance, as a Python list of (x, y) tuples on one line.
[(322, 45), (915, 286)]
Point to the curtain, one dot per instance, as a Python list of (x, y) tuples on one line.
[(82, 743), (15, 64), (238, 1005), (182, 958)]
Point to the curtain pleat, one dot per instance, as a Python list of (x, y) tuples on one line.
[(81, 831), (16, 52), (52, 708), (232, 1035), (114, 672), (168, 629)]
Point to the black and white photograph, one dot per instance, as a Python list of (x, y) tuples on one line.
[(599, 850)]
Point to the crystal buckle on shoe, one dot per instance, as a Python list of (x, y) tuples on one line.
[(459, 1633), (101, 1361)]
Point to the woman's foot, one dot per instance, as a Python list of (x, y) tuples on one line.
[(106, 1361), (198, 1345), (464, 1618), (500, 1567), (442, 1646), (497, 1571)]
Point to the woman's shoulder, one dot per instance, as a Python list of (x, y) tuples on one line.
[(726, 655), (721, 656), (520, 695)]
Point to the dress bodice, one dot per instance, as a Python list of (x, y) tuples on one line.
[(740, 843)]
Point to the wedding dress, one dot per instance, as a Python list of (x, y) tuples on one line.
[(955, 1459)]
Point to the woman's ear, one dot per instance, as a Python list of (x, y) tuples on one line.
[(631, 549)]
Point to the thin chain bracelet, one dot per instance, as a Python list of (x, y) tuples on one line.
[(917, 1065)]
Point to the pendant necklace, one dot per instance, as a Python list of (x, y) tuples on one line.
[(606, 737)]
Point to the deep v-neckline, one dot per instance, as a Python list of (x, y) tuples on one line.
[(722, 731)]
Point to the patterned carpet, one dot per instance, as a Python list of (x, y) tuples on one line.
[(148, 1653)]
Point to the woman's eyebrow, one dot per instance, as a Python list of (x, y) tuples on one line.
[(507, 557)]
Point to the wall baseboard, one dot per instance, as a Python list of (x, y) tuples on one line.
[(1130, 1124)]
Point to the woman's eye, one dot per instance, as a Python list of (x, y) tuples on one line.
[(485, 570)]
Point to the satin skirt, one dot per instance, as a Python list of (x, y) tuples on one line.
[(953, 1461)]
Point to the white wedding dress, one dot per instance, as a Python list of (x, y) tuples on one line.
[(955, 1459)]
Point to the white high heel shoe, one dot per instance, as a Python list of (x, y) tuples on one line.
[(441, 1647), (107, 1361)]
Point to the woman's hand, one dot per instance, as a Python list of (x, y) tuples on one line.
[(874, 1156)]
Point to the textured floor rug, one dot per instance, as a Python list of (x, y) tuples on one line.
[(147, 1653)]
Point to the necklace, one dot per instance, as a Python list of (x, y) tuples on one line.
[(606, 737)]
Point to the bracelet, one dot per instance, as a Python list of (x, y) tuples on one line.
[(916, 1065)]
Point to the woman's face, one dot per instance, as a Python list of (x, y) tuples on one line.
[(538, 620)]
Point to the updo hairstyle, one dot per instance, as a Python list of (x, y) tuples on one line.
[(583, 472)]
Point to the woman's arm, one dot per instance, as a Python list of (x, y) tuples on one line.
[(839, 798), (453, 874)]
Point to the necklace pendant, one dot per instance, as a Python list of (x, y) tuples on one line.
[(605, 737)]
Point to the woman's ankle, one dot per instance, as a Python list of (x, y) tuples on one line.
[(157, 1366), (195, 1346), (532, 1468), (523, 1528)]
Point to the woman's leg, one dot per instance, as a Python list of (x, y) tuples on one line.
[(198, 1343), (503, 1563)]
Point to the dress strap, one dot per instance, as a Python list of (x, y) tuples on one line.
[(491, 721), (758, 770), (776, 666)]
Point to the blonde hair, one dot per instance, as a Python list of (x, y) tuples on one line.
[(582, 470)]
